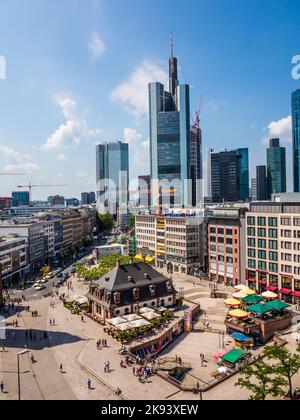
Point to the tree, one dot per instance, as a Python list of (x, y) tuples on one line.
[(285, 363), (132, 221), (265, 381), (106, 221)]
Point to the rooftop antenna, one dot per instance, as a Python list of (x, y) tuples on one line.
[(172, 44)]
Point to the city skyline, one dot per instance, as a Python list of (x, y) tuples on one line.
[(61, 118)]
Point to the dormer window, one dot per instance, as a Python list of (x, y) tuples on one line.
[(152, 289), (136, 293), (117, 298), (169, 286)]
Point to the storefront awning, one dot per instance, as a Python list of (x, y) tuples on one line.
[(259, 309), (296, 294), (277, 305), (272, 288), (284, 291), (234, 356)]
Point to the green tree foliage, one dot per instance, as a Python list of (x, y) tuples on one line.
[(285, 363), (106, 221), (262, 381), (106, 264)]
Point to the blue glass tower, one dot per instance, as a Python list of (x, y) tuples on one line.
[(296, 138), (170, 132)]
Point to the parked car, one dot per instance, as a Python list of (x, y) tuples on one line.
[(40, 287)]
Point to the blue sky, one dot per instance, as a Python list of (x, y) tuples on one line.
[(77, 74)]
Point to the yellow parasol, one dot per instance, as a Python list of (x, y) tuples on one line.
[(249, 292), (232, 302), (238, 313)]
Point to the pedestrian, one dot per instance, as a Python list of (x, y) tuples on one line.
[(105, 367), (133, 370), (89, 384), (61, 367), (50, 322), (2, 386), (108, 367)]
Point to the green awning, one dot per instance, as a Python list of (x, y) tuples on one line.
[(234, 356), (260, 309), (278, 305), (252, 299)]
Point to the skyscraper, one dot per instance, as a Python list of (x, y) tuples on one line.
[(261, 183), (170, 132), (112, 171), (229, 171), (196, 169), (276, 168), (145, 191), (296, 138)]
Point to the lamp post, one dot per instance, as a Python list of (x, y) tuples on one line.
[(21, 353)]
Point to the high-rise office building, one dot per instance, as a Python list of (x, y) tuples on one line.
[(112, 171), (56, 200), (196, 169), (145, 191), (253, 194), (229, 172), (261, 183), (296, 138), (276, 168), (20, 198), (84, 199), (170, 133), (92, 197)]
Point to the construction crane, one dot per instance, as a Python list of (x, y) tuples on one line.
[(197, 120), (30, 186)]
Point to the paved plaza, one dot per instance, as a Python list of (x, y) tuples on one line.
[(72, 343)]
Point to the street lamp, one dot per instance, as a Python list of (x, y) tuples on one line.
[(21, 353)]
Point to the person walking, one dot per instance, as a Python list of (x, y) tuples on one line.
[(89, 384), (2, 386), (61, 368)]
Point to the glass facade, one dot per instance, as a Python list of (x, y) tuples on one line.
[(20, 198), (112, 160), (296, 138), (276, 166), (230, 176), (170, 132)]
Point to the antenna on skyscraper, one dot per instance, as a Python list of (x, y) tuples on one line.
[(172, 44)]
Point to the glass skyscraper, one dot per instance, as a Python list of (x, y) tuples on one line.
[(112, 163), (296, 138), (229, 171), (170, 132), (276, 168)]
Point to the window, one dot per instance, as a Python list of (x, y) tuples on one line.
[(251, 221), (273, 233), (229, 232), (221, 231), (273, 245), (273, 256), (261, 221), (287, 245), (272, 222), (273, 268), (252, 264), (286, 233), (285, 221), (296, 221), (251, 242), (251, 231), (262, 232), (251, 253), (273, 280), (262, 243), (262, 254), (262, 265)]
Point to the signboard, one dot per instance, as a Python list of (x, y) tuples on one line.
[(188, 317)]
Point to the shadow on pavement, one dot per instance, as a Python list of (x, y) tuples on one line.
[(36, 339)]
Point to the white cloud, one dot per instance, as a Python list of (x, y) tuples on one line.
[(61, 157), (133, 93), (17, 162), (73, 131), (280, 129), (96, 46), (22, 167), (138, 148)]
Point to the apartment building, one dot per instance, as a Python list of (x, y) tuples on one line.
[(226, 245), (176, 241), (273, 249), (13, 258)]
